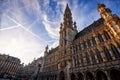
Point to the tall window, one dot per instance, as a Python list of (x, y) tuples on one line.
[(74, 49), (80, 47), (93, 57), (87, 59), (99, 56), (84, 44), (88, 42), (82, 59), (107, 53), (93, 41), (106, 35), (100, 38), (74, 60), (78, 62), (115, 51)]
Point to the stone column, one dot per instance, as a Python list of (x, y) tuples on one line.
[(68, 70), (97, 40), (108, 74), (84, 76)]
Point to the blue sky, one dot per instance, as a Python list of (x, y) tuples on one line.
[(27, 26)]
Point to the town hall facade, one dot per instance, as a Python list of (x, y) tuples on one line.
[(91, 54)]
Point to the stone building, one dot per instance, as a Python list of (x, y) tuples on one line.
[(91, 54), (30, 71), (9, 66)]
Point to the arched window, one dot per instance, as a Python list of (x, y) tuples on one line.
[(82, 60), (84, 44), (93, 57), (76, 48), (93, 41), (115, 51), (100, 38), (80, 47), (107, 53), (78, 62), (88, 43), (87, 59), (100, 59), (106, 35)]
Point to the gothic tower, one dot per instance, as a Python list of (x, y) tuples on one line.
[(112, 21), (68, 30)]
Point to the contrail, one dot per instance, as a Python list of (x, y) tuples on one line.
[(33, 23), (9, 28), (20, 25)]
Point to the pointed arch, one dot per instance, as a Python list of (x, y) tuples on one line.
[(89, 76), (100, 75), (115, 74), (73, 77), (80, 76)]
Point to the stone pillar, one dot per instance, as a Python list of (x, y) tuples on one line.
[(94, 75), (68, 70), (97, 40), (82, 46), (108, 74), (84, 76), (91, 42)]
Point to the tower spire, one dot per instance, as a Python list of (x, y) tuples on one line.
[(68, 17)]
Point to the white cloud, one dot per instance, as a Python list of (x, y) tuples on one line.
[(82, 16), (20, 43), (51, 28), (32, 7), (55, 44)]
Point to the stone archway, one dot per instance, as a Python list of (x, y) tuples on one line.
[(73, 76), (115, 74), (62, 76), (89, 76), (80, 76), (101, 76)]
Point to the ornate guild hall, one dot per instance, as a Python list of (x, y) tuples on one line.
[(91, 54)]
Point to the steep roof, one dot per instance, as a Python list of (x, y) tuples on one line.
[(89, 29)]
